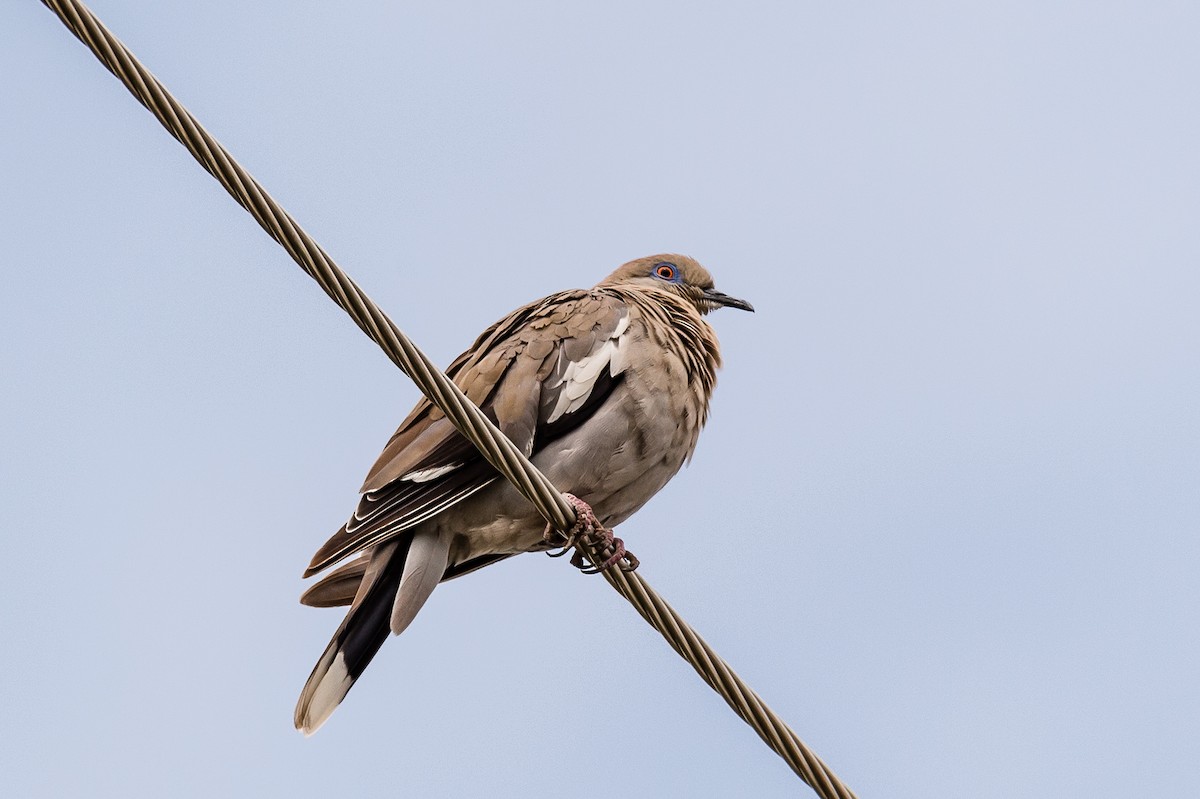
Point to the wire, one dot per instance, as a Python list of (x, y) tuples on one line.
[(469, 420)]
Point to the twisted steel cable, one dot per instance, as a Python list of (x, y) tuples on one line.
[(466, 417)]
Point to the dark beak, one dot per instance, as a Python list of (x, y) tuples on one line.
[(717, 298)]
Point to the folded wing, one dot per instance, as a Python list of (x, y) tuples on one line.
[(538, 374)]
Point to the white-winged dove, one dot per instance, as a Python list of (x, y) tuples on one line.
[(605, 389)]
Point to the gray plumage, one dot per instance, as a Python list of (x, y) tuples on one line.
[(605, 389)]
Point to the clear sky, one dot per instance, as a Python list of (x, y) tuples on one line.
[(944, 518)]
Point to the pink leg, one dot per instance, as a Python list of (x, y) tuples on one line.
[(590, 533)]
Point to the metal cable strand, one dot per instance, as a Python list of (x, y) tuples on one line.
[(465, 416)]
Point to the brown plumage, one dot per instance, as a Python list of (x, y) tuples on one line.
[(605, 389)]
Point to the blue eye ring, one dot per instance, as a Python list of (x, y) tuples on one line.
[(665, 270)]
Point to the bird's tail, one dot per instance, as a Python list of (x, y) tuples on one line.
[(399, 577)]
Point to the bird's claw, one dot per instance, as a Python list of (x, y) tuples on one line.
[(590, 533)]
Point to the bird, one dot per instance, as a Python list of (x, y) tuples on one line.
[(605, 389)]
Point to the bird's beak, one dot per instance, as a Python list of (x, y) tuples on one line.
[(718, 298)]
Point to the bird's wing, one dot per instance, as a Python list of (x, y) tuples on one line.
[(538, 373)]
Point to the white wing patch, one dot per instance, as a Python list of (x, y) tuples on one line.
[(425, 475), (580, 376)]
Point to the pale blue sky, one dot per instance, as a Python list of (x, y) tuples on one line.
[(944, 518)]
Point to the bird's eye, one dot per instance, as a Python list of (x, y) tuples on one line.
[(666, 271)]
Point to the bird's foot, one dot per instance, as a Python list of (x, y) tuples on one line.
[(589, 533)]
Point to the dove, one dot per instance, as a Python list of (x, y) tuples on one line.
[(605, 389)]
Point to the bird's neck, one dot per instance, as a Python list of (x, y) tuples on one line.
[(680, 328)]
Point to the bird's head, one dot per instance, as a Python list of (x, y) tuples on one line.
[(679, 275)]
